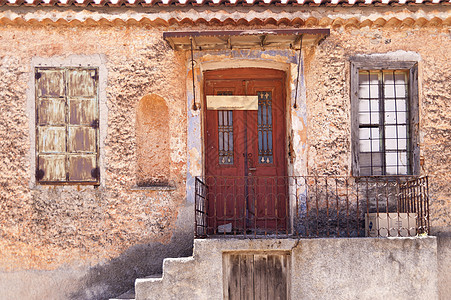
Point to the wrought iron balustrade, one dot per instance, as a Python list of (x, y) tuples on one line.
[(311, 206)]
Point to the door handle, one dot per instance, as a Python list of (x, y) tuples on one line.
[(252, 169)]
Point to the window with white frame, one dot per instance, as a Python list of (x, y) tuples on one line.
[(67, 125), (384, 101)]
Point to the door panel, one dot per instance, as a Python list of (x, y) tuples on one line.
[(245, 152), (262, 276)]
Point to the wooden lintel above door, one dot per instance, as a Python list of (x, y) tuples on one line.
[(232, 102), (245, 39)]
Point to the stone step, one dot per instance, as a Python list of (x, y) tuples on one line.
[(128, 295), (173, 266)]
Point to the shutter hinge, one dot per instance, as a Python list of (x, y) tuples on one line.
[(39, 174), (95, 173), (95, 76), (37, 75), (95, 124)]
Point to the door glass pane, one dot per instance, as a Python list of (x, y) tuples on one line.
[(265, 155), (225, 134)]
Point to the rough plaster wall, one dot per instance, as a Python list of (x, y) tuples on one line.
[(328, 103), (48, 228), (88, 229)]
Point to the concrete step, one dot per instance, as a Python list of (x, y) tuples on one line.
[(173, 266), (129, 295)]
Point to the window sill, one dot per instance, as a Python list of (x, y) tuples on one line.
[(378, 178), (153, 188), (66, 186)]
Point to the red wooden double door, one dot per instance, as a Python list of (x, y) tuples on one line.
[(245, 153)]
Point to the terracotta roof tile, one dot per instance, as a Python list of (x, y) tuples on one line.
[(145, 3)]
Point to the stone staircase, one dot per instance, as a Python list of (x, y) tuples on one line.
[(199, 276), (337, 268)]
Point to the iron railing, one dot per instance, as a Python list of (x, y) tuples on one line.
[(311, 206)]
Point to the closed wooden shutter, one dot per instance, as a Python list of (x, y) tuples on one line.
[(67, 125)]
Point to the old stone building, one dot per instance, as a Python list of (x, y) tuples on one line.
[(128, 128)]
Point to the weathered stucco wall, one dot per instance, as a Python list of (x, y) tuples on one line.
[(328, 103), (93, 242), (76, 231)]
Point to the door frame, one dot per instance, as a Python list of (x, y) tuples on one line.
[(252, 73), (285, 60), (234, 74)]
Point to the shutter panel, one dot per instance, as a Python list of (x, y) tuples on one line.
[(83, 111), (52, 139), (67, 125), (52, 112), (53, 167), (355, 148), (83, 125), (51, 125), (82, 83), (82, 139), (50, 83), (414, 120), (82, 168)]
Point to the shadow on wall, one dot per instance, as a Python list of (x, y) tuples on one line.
[(103, 281), (118, 275)]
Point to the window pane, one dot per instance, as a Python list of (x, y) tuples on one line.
[(396, 144), (368, 85), (395, 91), (369, 139), (372, 162), (369, 118), (225, 137), (391, 170), (402, 131), (369, 92), (368, 78), (390, 132), (391, 158), (396, 163), (403, 163), (264, 127)]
